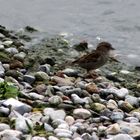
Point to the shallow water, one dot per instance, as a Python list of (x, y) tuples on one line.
[(116, 21)]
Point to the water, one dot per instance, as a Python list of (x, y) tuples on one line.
[(117, 21)]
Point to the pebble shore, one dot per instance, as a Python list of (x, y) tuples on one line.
[(42, 100)]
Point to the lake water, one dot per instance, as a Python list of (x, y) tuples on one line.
[(117, 21)]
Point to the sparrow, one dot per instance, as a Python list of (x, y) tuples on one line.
[(96, 58)]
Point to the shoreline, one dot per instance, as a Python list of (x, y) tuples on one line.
[(42, 100)]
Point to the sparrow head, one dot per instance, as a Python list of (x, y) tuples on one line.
[(104, 46)]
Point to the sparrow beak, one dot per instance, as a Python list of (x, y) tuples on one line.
[(112, 48)]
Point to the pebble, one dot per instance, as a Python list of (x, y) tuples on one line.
[(45, 68), (70, 120), (77, 100), (17, 105), (7, 43), (117, 115), (29, 79), (132, 100), (4, 126), (81, 113), (62, 81), (55, 100), (38, 138), (121, 137), (2, 70), (52, 138), (98, 107), (22, 124), (20, 56), (41, 76), (70, 72), (11, 134), (1, 47), (35, 96), (12, 51), (113, 129), (120, 93), (92, 88), (54, 114), (48, 127), (111, 104)]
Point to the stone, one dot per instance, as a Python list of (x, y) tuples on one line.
[(7, 43), (111, 104), (48, 127), (16, 64), (41, 76), (54, 114), (98, 107), (113, 129), (41, 89), (38, 138), (62, 81), (121, 137), (132, 119), (6, 67), (52, 138), (17, 105), (125, 72), (45, 68), (77, 100), (35, 117), (23, 124), (82, 46), (131, 129), (126, 106), (120, 93), (70, 120), (11, 50), (132, 100), (29, 79), (13, 73), (55, 100), (92, 88), (2, 70), (4, 110), (20, 56), (117, 115), (10, 134), (35, 96), (76, 91), (81, 113), (70, 72), (4, 126)]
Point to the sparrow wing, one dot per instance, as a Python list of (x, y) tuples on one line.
[(94, 57)]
